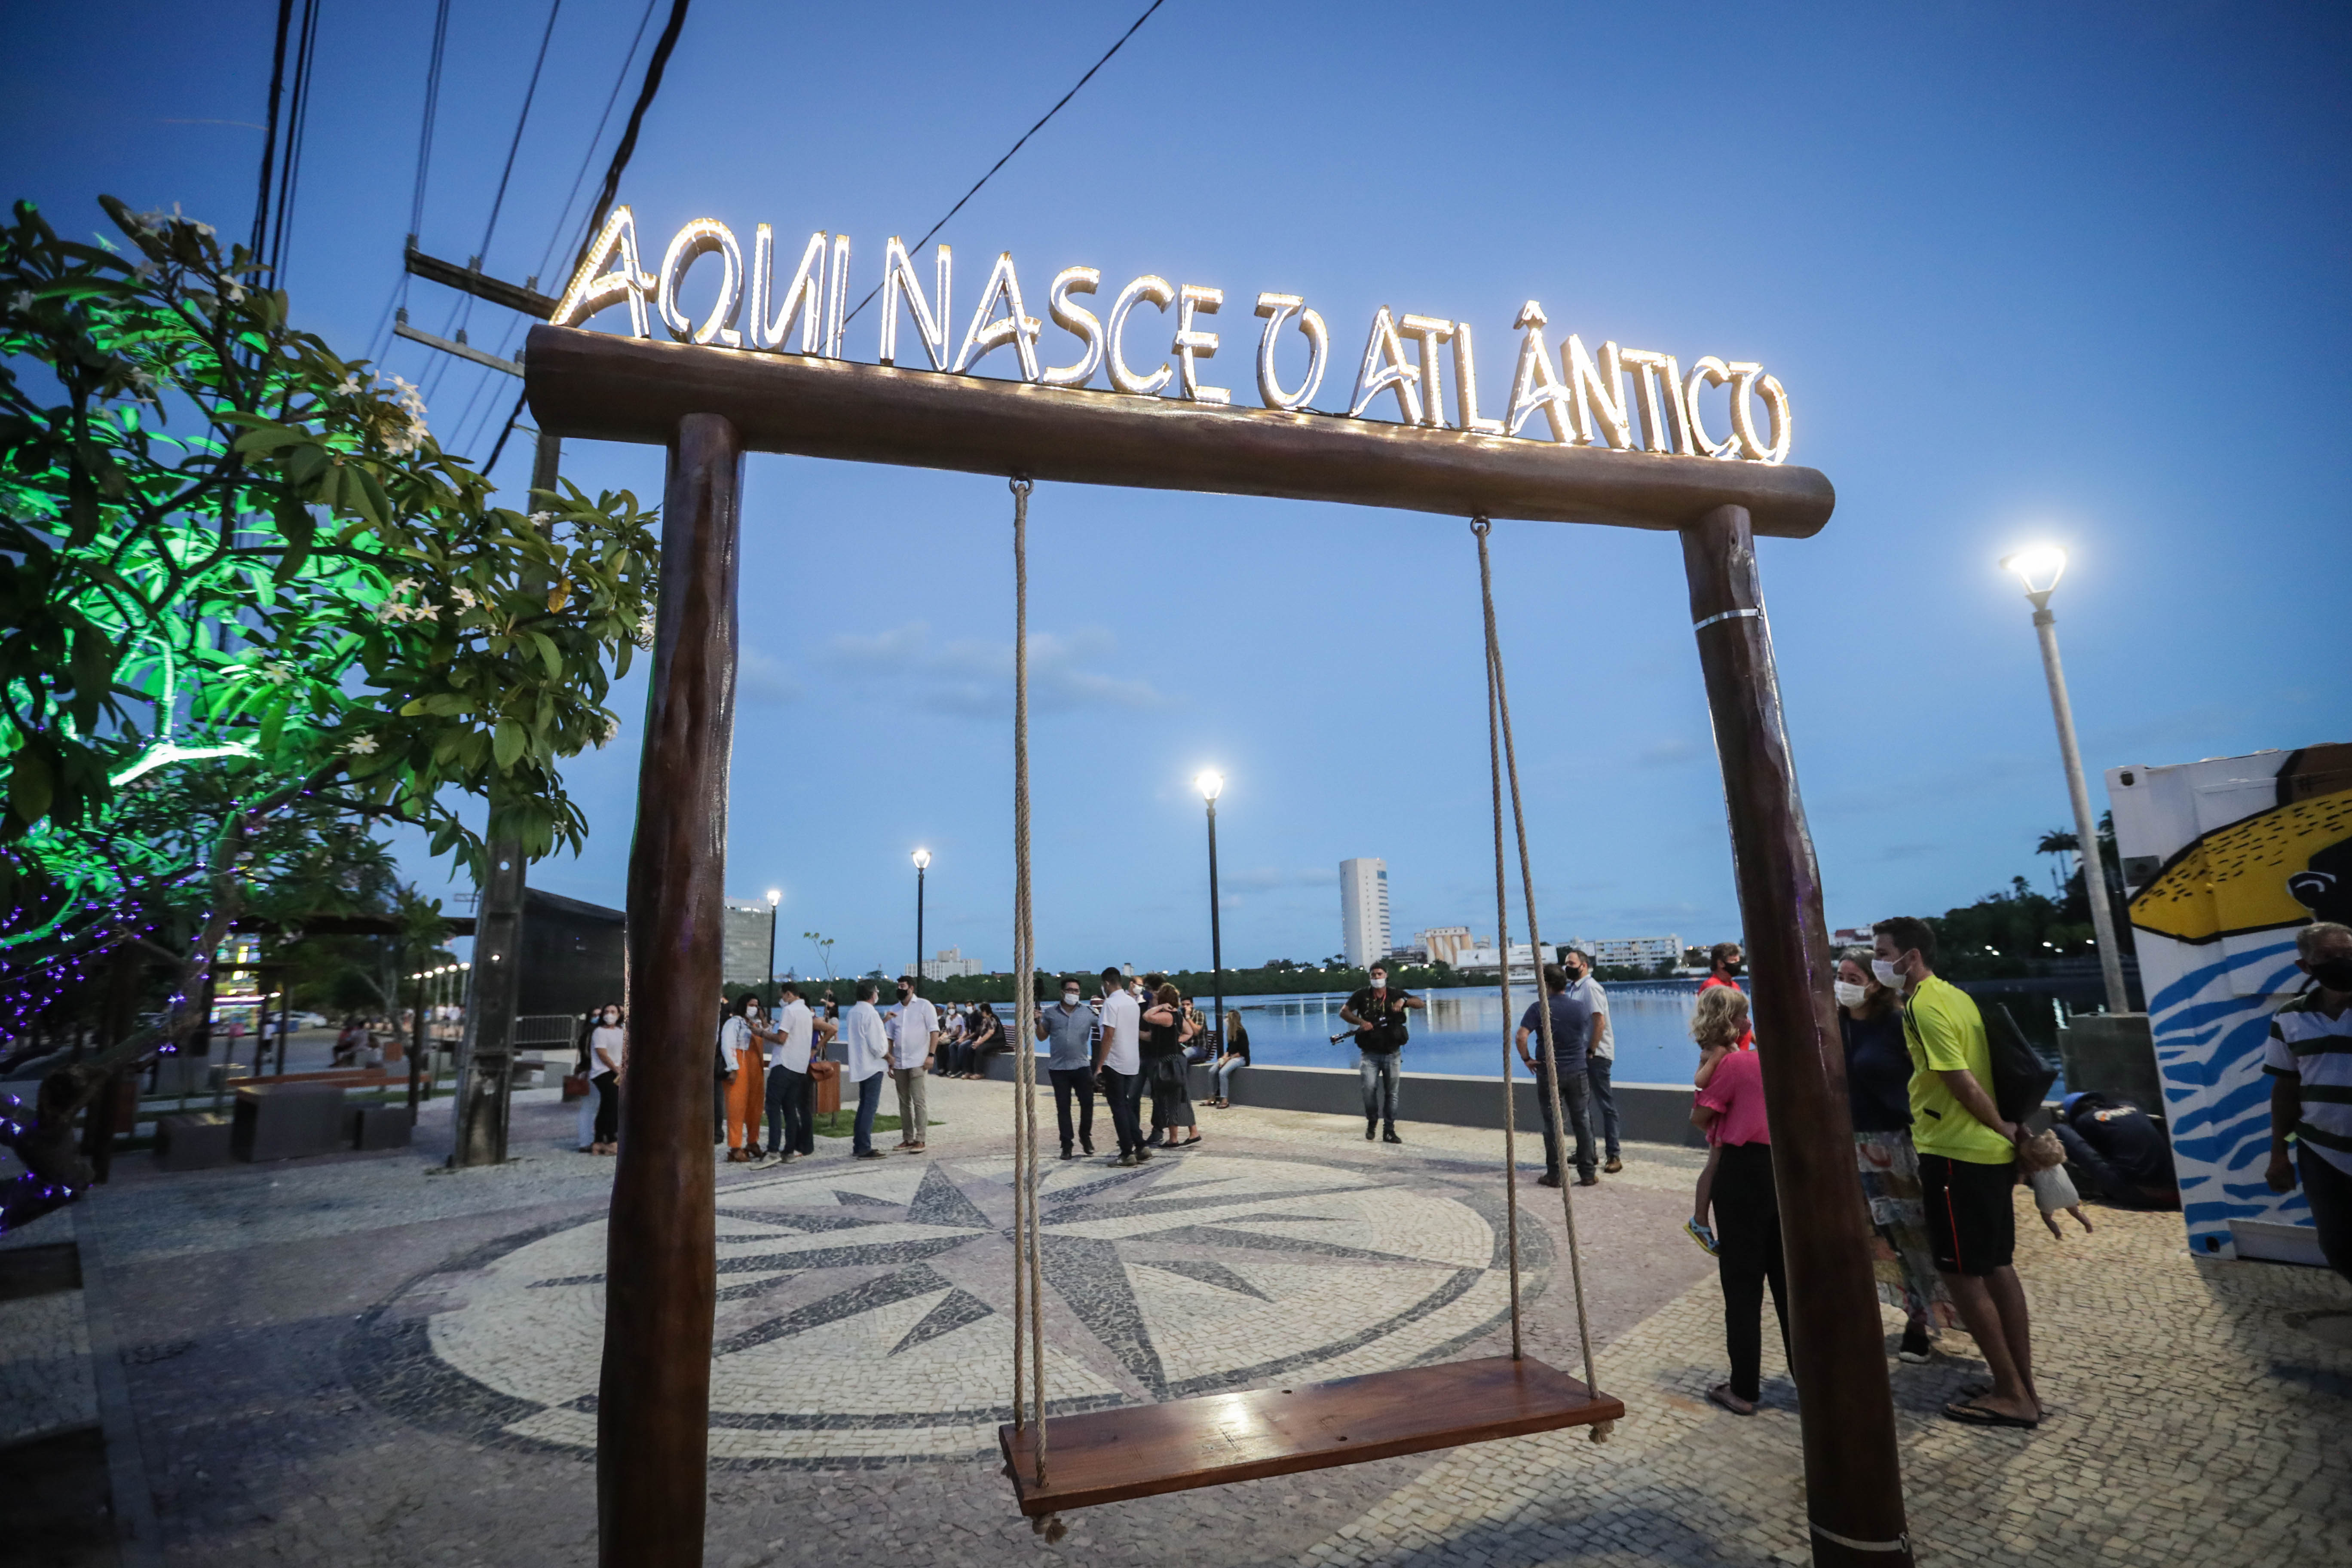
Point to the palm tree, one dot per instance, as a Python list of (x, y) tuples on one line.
[(2058, 841)]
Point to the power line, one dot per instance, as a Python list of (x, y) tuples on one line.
[(297, 121), (588, 158), (663, 47), (1016, 147), (270, 134)]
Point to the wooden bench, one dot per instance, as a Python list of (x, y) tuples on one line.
[(1142, 1450)]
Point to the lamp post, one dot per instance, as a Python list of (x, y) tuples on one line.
[(775, 898), (2039, 568), (1212, 783), (922, 864)]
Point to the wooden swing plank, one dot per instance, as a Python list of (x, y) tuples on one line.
[(1142, 1450)]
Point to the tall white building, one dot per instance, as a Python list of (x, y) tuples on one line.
[(1363, 911), (950, 963), (1445, 944)]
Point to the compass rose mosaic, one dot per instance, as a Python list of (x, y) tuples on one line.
[(864, 1311)]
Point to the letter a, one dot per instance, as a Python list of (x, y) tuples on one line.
[(1385, 368), (1535, 386), (593, 287), (1013, 327)]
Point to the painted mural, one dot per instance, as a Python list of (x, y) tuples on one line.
[(2224, 860)]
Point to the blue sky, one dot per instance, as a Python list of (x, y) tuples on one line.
[(2027, 271)]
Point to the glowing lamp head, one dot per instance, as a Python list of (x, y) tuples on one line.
[(2039, 567), (922, 859), (1211, 785), (775, 897)]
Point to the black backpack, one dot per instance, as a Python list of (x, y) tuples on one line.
[(2020, 1076)]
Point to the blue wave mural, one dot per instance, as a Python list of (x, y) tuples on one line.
[(2209, 1047)]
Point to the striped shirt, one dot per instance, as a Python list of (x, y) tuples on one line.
[(2308, 1046)]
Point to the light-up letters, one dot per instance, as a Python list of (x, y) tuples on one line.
[(1586, 398)]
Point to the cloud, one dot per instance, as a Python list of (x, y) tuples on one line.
[(763, 679), (972, 678), (1666, 754)]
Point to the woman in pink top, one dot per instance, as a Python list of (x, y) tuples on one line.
[(1730, 1111)]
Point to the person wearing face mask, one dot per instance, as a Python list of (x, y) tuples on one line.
[(1379, 1016), (2309, 1060), (1068, 1029), (791, 1129), (1967, 1170), (1878, 1091), (1725, 960), (607, 1046), (914, 1044)]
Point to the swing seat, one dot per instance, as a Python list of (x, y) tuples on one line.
[(1142, 1450)]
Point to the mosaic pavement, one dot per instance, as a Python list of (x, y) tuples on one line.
[(354, 1361), (864, 1310)]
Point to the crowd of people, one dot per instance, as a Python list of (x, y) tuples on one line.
[(1936, 1158)]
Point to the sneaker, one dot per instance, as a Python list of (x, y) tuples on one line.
[(869, 1154), (1701, 1235), (1389, 1134), (1614, 1165), (1918, 1348), (1371, 1130), (1125, 1159), (1587, 1180), (1142, 1154)]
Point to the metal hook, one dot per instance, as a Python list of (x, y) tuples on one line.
[(1480, 525), (1021, 485)]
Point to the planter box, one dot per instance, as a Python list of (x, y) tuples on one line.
[(381, 1126), (193, 1142), (288, 1120)]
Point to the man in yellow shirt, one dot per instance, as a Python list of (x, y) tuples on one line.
[(1968, 1169)]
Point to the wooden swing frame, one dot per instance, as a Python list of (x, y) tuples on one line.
[(707, 406)]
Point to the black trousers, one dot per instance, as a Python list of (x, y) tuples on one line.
[(1748, 1237), (1125, 1092), (792, 1122), (2329, 1193), (608, 1107), (1079, 1081)]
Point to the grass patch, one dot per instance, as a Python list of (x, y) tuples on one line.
[(844, 1124)]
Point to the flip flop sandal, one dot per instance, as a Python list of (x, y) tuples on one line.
[(1978, 1415)]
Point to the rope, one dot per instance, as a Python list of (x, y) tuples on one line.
[(1503, 929), (1499, 717), (1028, 1283)]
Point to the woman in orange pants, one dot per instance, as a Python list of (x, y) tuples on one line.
[(743, 1042)]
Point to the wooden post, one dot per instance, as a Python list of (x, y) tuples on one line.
[(653, 1410), (1853, 1483)]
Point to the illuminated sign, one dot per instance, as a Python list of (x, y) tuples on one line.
[(1582, 399)]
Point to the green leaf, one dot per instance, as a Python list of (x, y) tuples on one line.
[(31, 786), (508, 745)]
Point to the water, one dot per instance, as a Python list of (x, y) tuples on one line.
[(1462, 1032)]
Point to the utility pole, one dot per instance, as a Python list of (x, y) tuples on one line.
[(486, 1087), (485, 1073)]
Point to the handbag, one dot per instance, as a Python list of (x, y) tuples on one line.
[(2020, 1076), (575, 1086)]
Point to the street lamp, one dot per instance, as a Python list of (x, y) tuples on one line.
[(775, 898), (2039, 567), (922, 864), (1212, 783)]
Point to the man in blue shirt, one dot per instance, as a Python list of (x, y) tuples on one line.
[(1069, 1032), (1571, 1035)]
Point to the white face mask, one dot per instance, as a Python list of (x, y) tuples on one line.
[(1886, 973), (1380, 982), (1849, 995), (1069, 999)]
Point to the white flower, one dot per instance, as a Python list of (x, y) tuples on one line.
[(465, 597), (276, 673), (389, 612), (612, 728), (21, 300), (237, 293), (646, 631), (349, 386), (361, 746), (541, 519)]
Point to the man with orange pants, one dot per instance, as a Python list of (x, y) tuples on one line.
[(742, 1047)]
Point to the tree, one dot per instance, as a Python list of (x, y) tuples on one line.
[(244, 599)]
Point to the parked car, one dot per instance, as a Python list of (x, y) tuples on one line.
[(310, 1021)]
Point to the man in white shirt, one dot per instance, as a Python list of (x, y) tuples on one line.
[(1601, 1054), (792, 1127), (1119, 1065), (913, 1045), (867, 1046)]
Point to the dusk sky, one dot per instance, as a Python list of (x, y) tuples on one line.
[(2076, 273)]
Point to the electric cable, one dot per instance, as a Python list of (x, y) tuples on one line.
[(655, 67), (1015, 148)]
